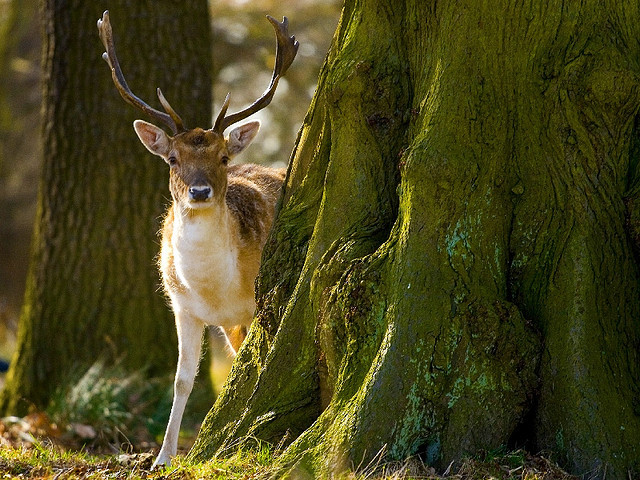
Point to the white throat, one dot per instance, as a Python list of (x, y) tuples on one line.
[(203, 246)]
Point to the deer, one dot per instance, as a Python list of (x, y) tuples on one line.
[(216, 226)]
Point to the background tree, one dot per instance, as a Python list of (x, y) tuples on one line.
[(452, 267), (92, 286), (244, 56), (20, 154)]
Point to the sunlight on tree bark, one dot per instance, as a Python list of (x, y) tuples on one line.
[(451, 268)]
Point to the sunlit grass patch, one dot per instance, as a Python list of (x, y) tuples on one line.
[(43, 460), (46, 461), (244, 463)]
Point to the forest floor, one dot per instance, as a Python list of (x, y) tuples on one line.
[(34, 447), (109, 423)]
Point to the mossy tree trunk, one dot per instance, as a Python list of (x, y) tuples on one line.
[(93, 286), (452, 269)]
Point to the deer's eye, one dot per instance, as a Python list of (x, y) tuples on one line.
[(225, 160), (172, 160)]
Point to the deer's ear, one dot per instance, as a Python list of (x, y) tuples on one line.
[(152, 137), (241, 136)]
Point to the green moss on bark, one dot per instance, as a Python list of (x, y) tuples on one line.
[(467, 278)]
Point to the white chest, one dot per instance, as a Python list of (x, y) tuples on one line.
[(207, 266)]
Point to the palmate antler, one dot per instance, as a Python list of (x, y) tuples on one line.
[(170, 118), (286, 50)]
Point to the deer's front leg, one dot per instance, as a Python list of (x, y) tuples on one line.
[(189, 346)]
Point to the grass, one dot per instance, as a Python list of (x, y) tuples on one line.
[(45, 461), (109, 423)]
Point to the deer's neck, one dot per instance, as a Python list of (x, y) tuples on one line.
[(203, 269), (204, 247), (208, 228)]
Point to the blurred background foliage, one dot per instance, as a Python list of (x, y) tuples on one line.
[(243, 55)]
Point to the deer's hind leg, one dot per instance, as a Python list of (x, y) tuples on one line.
[(235, 336)]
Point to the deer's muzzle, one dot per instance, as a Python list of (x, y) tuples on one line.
[(200, 193)]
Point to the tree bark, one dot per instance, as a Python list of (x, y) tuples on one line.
[(92, 289), (19, 156), (450, 270)]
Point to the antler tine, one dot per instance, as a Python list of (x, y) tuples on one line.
[(172, 113), (218, 127), (286, 50), (287, 47), (171, 118)]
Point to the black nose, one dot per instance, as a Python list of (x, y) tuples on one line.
[(199, 194)]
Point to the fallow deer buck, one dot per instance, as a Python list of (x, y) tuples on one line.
[(215, 229)]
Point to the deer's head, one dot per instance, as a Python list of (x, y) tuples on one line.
[(198, 157)]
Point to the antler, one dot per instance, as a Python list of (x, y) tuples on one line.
[(170, 118), (287, 47)]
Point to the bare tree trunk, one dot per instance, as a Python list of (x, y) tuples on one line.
[(93, 286), (450, 271)]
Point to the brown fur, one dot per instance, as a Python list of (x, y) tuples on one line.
[(212, 240), (236, 335), (251, 195)]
